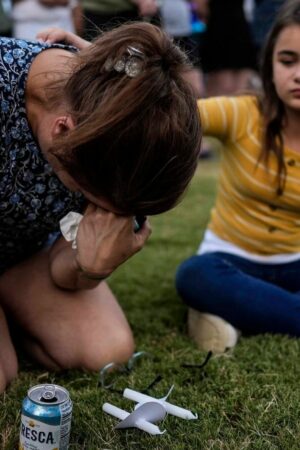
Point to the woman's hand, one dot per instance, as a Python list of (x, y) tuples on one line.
[(52, 35), (106, 240)]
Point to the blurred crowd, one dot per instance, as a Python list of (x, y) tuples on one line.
[(223, 38)]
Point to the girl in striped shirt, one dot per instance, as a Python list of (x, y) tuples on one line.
[(245, 277)]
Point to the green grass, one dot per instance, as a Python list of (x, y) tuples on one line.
[(247, 399)]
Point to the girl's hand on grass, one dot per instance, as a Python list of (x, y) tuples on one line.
[(105, 240), (52, 35)]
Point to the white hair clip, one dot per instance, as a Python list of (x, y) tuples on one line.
[(132, 63)]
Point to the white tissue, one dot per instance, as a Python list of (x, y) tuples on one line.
[(69, 227)]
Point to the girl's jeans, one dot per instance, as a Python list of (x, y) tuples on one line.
[(253, 297)]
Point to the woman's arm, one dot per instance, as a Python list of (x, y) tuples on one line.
[(104, 241), (52, 35)]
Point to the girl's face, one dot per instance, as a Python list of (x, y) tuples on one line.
[(286, 67)]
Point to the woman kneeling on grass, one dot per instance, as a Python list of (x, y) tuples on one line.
[(246, 275), (111, 131)]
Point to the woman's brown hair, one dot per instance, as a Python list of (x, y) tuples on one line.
[(136, 140), (271, 105)]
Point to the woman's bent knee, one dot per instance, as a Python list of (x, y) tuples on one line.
[(7, 374), (3, 381), (8, 357), (92, 353), (118, 348)]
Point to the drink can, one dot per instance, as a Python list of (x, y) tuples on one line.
[(46, 418)]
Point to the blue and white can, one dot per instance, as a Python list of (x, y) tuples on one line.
[(46, 418)]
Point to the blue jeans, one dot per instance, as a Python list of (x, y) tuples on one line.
[(255, 298)]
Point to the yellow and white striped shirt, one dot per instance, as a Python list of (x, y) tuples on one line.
[(248, 212)]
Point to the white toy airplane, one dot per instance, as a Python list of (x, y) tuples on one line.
[(171, 409), (141, 417), (147, 411)]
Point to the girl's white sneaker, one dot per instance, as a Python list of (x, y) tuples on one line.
[(211, 333)]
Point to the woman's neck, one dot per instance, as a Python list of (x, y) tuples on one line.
[(49, 70), (48, 74)]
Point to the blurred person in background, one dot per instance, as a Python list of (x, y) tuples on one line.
[(31, 16), (106, 14), (229, 56), (181, 21), (5, 18), (263, 17)]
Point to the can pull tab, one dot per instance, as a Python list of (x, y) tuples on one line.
[(48, 394)]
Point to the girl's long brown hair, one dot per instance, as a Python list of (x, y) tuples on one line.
[(136, 140), (271, 105)]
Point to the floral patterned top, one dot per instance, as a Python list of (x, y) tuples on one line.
[(32, 198)]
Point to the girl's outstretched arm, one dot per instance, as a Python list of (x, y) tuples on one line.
[(52, 35)]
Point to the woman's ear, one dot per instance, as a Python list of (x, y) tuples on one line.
[(61, 125)]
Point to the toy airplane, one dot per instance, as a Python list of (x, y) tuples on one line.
[(142, 417), (171, 409)]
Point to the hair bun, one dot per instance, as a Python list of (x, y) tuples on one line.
[(165, 64), (173, 57)]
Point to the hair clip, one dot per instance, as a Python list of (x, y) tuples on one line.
[(132, 63), (120, 65), (135, 62)]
